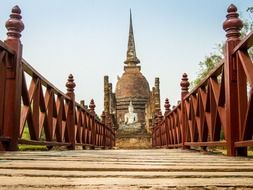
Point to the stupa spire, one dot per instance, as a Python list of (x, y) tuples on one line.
[(131, 59)]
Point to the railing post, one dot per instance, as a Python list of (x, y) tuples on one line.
[(93, 126), (184, 91), (13, 83), (232, 25), (167, 111), (167, 107), (71, 112), (84, 136)]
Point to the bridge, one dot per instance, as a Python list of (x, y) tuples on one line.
[(216, 113), (124, 169)]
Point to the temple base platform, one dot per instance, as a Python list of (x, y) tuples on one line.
[(133, 136)]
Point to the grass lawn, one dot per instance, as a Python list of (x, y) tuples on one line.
[(25, 147)]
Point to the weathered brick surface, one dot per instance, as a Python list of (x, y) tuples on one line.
[(132, 84)]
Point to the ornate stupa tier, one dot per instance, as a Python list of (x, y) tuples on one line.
[(139, 103)]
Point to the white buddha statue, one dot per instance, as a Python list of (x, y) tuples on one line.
[(131, 117)]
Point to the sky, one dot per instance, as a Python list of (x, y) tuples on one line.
[(88, 38)]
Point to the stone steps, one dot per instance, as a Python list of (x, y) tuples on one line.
[(123, 169)]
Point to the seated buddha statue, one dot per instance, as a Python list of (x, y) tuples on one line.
[(131, 117)]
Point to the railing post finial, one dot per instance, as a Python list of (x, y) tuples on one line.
[(167, 106), (14, 24), (233, 24), (70, 84), (184, 84), (92, 106)]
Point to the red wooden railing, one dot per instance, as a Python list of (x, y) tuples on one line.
[(219, 111), (52, 117)]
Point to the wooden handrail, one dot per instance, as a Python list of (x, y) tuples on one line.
[(33, 73), (6, 48), (214, 72), (245, 43)]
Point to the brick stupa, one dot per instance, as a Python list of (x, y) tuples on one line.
[(132, 92)]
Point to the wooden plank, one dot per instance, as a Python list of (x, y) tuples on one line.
[(123, 169)]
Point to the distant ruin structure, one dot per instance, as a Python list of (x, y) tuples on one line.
[(132, 106)]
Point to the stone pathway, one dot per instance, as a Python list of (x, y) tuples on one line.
[(123, 169)]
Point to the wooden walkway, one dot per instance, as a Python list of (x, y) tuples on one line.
[(123, 169)]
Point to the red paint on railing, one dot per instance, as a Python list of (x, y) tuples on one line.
[(219, 111), (52, 117)]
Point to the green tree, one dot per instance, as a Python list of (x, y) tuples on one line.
[(206, 66), (215, 57)]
